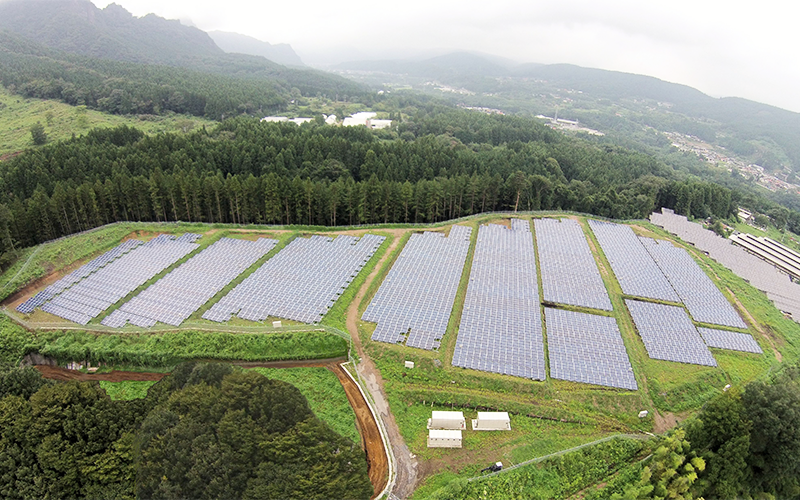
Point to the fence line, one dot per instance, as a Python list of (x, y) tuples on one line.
[(559, 453)]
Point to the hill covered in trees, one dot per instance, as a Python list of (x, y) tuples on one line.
[(205, 431), (626, 107), (114, 62), (440, 164)]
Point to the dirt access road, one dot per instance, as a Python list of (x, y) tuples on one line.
[(371, 442), (405, 465)]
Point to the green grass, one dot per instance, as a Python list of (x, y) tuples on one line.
[(126, 390), (171, 348), (337, 315), (60, 121), (553, 478), (325, 396)]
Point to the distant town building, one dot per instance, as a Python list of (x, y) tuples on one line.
[(367, 119), (298, 121)]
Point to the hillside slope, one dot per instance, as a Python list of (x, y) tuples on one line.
[(281, 53)]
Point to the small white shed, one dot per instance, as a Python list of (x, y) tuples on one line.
[(492, 421), (447, 420), (444, 438)]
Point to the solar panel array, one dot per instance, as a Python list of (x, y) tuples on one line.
[(75, 276), (569, 271), (174, 298), (703, 299), (637, 273), (501, 325), (301, 282), (100, 290), (587, 348), (417, 296), (669, 334), (779, 288), (733, 341)]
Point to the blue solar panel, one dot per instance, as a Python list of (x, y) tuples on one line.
[(417, 296), (301, 282), (112, 282), (587, 348), (637, 273), (734, 341), (174, 298), (569, 271), (501, 326), (669, 334), (702, 298)]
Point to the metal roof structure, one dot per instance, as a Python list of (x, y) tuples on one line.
[(784, 258), (587, 348), (501, 325), (703, 299), (669, 334), (301, 282), (174, 298), (779, 288), (107, 285), (417, 296), (636, 271), (733, 341), (569, 271)]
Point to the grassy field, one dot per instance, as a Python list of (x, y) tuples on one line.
[(61, 121), (574, 412), (125, 391), (325, 396), (547, 415)]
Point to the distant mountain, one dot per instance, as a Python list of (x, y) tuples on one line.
[(281, 53), (41, 39), (79, 27), (612, 101)]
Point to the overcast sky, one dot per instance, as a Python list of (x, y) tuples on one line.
[(723, 48)]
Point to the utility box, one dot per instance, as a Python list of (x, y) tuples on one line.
[(409, 364), (444, 438), (453, 420), (492, 421), (276, 324)]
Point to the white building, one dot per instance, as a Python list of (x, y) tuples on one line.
[(360, 118), (379, 124), (492, 421), (439, 438), (447, 420)]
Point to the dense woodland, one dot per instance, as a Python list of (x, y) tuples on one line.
[(205, 431), (214, 87), (440, 164)]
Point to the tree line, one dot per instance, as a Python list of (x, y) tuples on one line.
[(204, 431), (211, 87), (246, 172)]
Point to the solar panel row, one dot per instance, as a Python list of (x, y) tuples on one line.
[(637, 273), (417, 296), (668, 333), (703, 299), (174, 298), (301, 282), (501, 325), (106, 286), (779, 288), (587, 348), (569, 271), (733, 341), (70, 279)]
